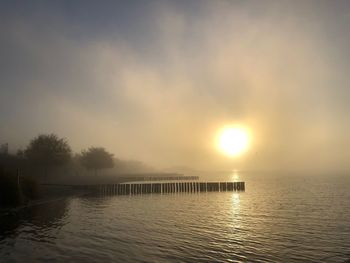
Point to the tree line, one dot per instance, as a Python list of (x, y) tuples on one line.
[(47, 156), (47, 151)]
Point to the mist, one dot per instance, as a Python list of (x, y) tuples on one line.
[(156, 81)]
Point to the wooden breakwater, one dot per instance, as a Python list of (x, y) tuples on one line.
[(169, 187), (174, 177)]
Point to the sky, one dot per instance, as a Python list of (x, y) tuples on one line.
[(156, 80)]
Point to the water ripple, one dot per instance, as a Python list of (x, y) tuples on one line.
[(274, 221)]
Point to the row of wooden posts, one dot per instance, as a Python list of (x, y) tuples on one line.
[(172, 187)]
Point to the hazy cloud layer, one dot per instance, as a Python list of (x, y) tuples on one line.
[(155, 82)]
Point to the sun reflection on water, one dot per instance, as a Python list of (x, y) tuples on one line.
[(235, 176), (235, 221), (235, 200)]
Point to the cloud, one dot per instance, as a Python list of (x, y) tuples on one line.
[(162, 101)]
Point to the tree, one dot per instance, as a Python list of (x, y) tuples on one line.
[(47, 150), (96, 158)]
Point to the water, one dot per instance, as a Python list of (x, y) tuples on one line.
[(278, 219)]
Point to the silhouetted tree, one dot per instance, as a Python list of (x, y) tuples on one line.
[(47, 150), (96, 158)]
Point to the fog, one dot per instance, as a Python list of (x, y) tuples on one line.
[(156, 81)]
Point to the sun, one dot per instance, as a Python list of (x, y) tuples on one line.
[(233, 141)]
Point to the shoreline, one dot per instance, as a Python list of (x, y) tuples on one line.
[(48, 194)]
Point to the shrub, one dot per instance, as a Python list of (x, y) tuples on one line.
[(10, 194)]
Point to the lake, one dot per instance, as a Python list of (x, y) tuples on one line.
[(279, 218)]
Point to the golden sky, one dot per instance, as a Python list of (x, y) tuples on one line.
[(156, 81)]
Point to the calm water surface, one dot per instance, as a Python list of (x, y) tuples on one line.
[(277, 219)]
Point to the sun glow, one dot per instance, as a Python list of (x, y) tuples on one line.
[(233, 141)]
